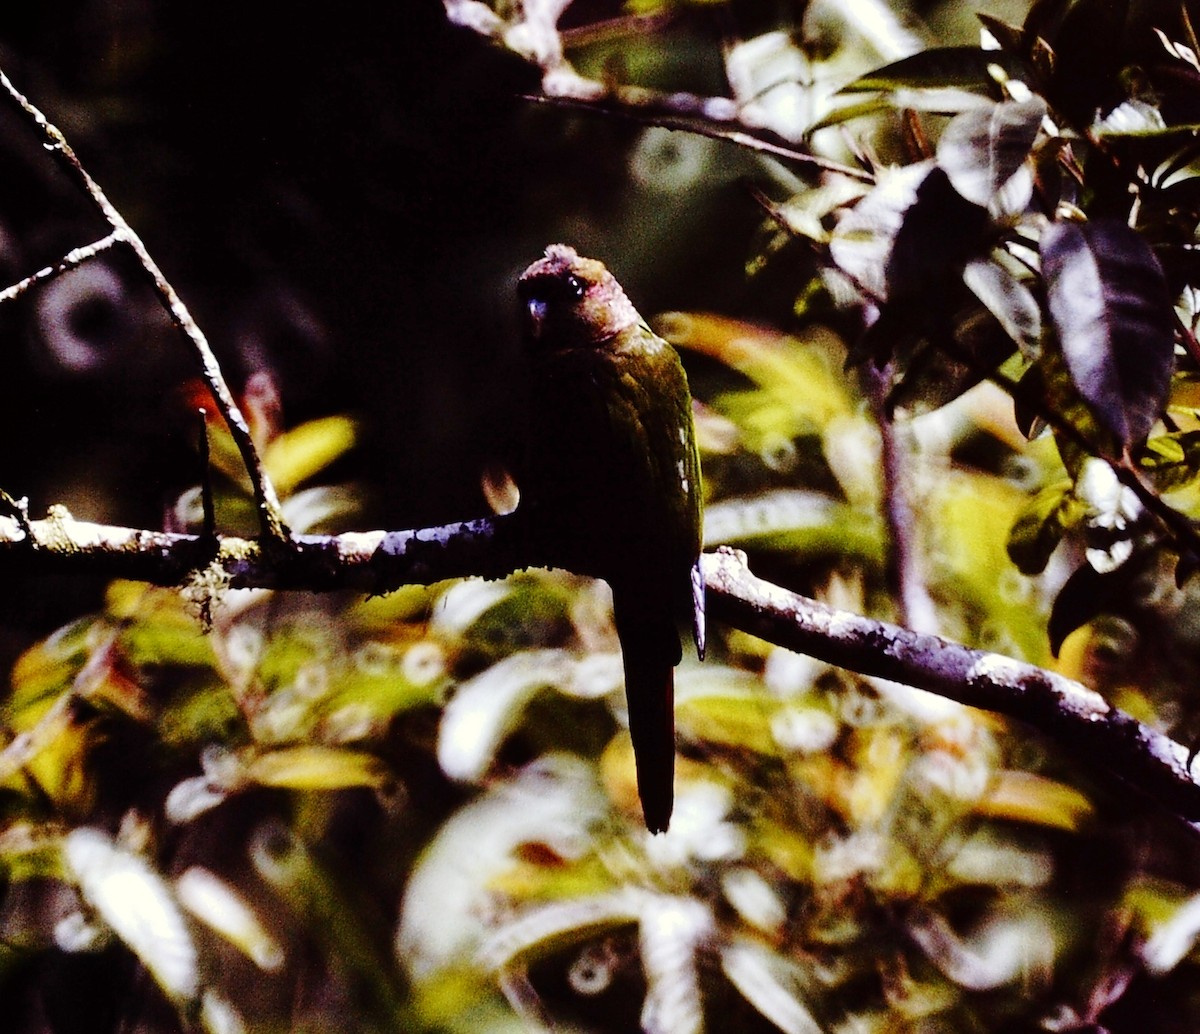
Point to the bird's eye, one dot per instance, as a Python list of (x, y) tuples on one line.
[(576, 286)]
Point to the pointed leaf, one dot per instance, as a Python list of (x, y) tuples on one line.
[(671, 933), (1086, 595), (553, 801), (906, 234), (950, 100), (1009, 300), (1028, 797), (1172, 462), (937, 234), (216, 903), (862, 241), (984, 152), (723, 706), (485, 708), (804, 372), (306, 450), (544, 929), (795, 522), (1109, 303), (1010, 38), (938, 68), (1039, 528), (1136, 118), (1174, 939), (771, 982), (960, 343)]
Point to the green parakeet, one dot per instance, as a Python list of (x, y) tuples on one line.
[(611, 466)]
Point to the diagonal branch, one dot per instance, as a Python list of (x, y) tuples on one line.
[(71, 260), (1076, 717), (670, 113), (531, 30), (270, 515)]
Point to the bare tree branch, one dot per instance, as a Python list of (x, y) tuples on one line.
[(531, 30), (71, 260), (371, 561), (273, 525), (676, 112), (379, 561), (1076, 717)]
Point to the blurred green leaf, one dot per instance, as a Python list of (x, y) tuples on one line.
[(315, 767), (218, 904), (299, 454), (137, 903), (798, 522), (802, 373), (48, 668), (1041, 525), (1028, 797), (724, 707), (484, 709)]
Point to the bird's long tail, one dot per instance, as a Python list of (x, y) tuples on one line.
[(650, 650)]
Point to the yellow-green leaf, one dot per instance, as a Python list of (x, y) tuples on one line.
[(1028, 797), (314, 767), (306, 450)]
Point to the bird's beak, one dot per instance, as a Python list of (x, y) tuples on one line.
[(537, 317)]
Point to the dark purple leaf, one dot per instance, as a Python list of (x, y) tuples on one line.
[(1109, 304), (940, 231), (1085, 596), (984, 152)]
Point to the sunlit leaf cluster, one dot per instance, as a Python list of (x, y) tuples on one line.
[(1030, 220)]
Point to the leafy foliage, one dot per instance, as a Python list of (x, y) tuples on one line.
[(1108, 300), (421, 808)]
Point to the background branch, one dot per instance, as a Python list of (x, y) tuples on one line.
[(687, 113), (69, 261), (902, 566), (270, 513), (532, 31)]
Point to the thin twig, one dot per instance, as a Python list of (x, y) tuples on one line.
[(543, 45), (903, 568), (69, 261), (916, 608), (1188, 337), (688, 123), (270, 514), (209, 528)]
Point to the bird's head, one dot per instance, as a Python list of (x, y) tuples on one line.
[(572, 302)]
